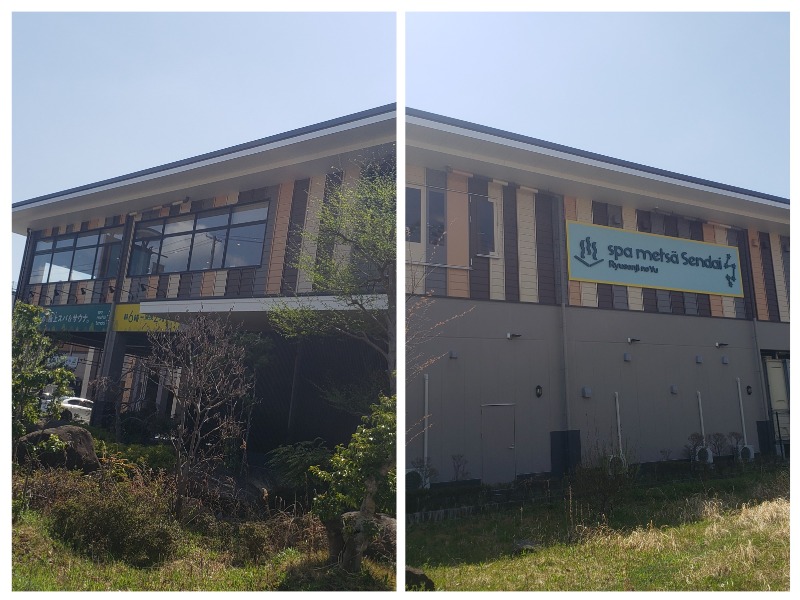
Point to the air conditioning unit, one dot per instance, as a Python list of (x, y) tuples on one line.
[(704, 455), (745, 453), (617, 465)]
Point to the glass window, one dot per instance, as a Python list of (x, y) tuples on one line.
[(175, 253), (83, 264), (87, 239), (435, 218), (59, 271), (485, 210), (179, 224), (413, 214), (40, 268), (217, 218), (107, 263), (65, 242), (109, 236), (44, 245), (208, 248), (249, 213), (245, 245)]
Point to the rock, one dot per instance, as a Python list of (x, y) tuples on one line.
[(79, 452), (522, 546), (417, 580)]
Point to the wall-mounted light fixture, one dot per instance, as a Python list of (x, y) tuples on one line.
[(539, 391), (57, 293), (453, 354), (673, 389), (631, 340), (511, 336), (627, 357), (698, 359), (725, 360), (720, 344), (586, 392), (92, 292)]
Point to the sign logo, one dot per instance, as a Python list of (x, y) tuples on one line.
[(603, 254), (588, 247)]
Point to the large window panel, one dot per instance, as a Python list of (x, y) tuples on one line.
[(40, 269), (436, 224), (413, 215), (485, 226), (208, 249), (175, 253), (59, 271), (245, 245), (249, 213), (210, 220), (107, 263), (179, 224), (83, 264)]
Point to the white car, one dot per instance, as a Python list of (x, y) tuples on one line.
[(80, 409)]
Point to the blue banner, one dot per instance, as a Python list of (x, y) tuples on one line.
[(622, 257), (77, 317)]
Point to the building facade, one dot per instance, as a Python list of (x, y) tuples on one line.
[(217, 233), (575, 306)]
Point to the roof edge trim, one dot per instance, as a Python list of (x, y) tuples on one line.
[(421, 114), (279, 137)]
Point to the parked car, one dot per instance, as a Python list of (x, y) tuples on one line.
[(79, 409)]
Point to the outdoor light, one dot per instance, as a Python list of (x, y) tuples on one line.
[(632, 340), (725, 360), (698, 359), (586, 391), (627, 357), (720, 344), (453, 354), (673, 389), (511, 336)]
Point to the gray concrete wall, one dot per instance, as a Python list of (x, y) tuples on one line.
[(492, 370)]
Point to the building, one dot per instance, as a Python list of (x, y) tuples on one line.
[(579, 306), (216, 233)]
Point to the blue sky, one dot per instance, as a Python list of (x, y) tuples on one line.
[(100, 95), (703, 94)]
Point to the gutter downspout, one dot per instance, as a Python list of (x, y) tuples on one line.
[(700, 407), (741, 408), (561, 269), (619, 426), (425, 425)]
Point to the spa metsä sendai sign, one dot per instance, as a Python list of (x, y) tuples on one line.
[(609, 255)]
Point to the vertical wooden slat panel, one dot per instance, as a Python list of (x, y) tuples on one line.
[(172, 286), (497, 266), (634, 293), (728, 305), (574, 287), (415, 175), (710, 235), (584, 215), (220, 282), (511, 243), (605, 293), (544, 213), (311, 225), (278, 250), (294, 235), (457, 239), (479, 276), (759, 288), (526, 230), (780, 282), (769, 277)]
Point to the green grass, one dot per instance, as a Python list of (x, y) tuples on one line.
[(41, 563), (725, 534)]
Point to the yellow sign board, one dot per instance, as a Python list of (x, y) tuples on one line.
[(127, 317)]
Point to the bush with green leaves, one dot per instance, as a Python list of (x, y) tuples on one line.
[(364, 470), (35, 365), (126, 519)]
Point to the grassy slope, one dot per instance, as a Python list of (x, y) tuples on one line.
[(673, 539), (44, 564)]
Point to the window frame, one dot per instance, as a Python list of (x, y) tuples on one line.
[(68, 242)]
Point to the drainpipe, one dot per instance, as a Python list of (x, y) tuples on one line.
[(619, 427), (700, 406), (741, 408), (425, 425), (564, 291)]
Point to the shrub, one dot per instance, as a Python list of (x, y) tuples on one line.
[(259, 541), (125, 519)]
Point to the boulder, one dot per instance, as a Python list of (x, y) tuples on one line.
[(417, 580), (78, 453)]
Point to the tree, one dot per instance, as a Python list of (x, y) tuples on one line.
[(34, 366), (207, 374), (352, 257), (361, 477)]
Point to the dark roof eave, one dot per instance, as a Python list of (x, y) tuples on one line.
[(413, 112), (365, 114)]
